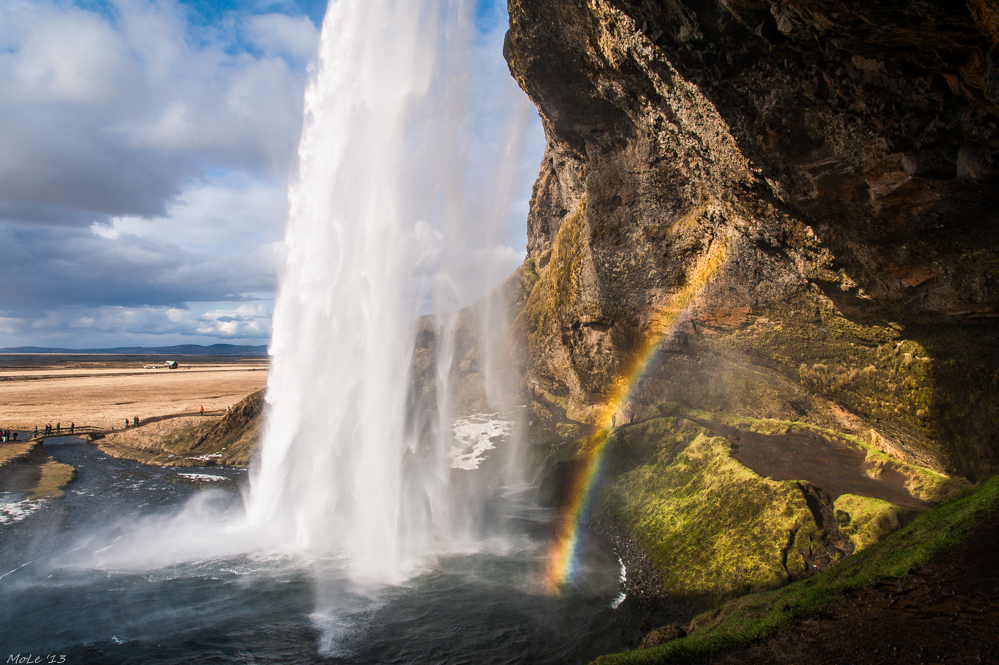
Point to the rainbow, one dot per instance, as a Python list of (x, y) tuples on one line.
[(562, 557)]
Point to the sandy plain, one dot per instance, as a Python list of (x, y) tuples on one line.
[(103, 391)]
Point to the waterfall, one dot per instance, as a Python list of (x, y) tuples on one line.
[(383, 198)]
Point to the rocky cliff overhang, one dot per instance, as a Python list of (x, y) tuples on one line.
[(844, 156)]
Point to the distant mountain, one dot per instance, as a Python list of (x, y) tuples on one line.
[(179, 350)]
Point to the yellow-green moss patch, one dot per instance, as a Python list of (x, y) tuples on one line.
[(568, 430), (865, 520), (712, 527)]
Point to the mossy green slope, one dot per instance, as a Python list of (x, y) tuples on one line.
[(764, 614), (711, 526)]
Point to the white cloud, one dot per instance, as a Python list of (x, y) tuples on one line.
[(72, 57), (11, 326), (162, 149), (235, 216), (283, 34), (112, 115), (107, 231)]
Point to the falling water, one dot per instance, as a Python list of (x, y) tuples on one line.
[(382, 200)]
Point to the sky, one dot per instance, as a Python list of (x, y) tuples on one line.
[(146, 148)]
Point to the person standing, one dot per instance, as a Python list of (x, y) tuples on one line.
[(72, 427), (202, 410)]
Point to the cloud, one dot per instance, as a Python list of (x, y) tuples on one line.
[(144, 160), (84, 327), (283, 35), (110, 114), (194, 254), (232, 215)]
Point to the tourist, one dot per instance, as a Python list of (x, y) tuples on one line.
[(72, 426), (36, 431), (631, 417), (202, 410), (58, 428), (135, 421), (126, 423)]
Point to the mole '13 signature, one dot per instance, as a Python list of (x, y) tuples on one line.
[(31, 659)]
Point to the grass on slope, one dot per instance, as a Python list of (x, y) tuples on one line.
[(764, 614), (713, 527)]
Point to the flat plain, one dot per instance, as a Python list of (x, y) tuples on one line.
[(103, 391)]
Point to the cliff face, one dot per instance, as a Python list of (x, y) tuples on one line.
[(842, 159)]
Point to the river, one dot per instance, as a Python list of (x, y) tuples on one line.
[(90, 578)]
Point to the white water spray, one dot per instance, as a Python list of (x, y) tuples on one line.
[(382, 196)]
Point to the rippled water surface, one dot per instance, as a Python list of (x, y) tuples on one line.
[(60, 594)]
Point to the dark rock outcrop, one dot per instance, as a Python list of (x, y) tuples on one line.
[(236, 435)]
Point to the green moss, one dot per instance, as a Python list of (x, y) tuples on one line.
[(568, 430), (530, 271), (865, 520), (539, 411), (555, 297), (711, 526), (764, 614), (555, 291)]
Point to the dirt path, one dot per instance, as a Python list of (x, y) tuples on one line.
[(834, 466)]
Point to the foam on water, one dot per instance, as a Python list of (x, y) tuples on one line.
[(621, 579), (204, 477), (204, 458), (474, 436), (13, 510)]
